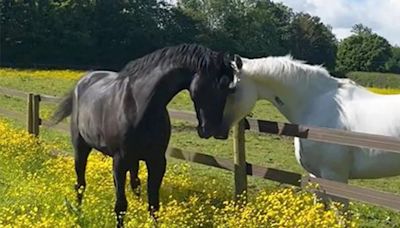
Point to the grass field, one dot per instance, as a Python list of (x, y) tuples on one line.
[(376, 79), (265, 150)]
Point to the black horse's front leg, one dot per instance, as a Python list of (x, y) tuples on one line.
[(121, 204), (135, 181), (156, 171)]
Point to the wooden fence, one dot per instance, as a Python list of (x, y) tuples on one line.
[(239, 165)]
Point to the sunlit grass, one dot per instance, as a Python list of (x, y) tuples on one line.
[(266, 150), (385, 91), (36, 187), (49, 74)]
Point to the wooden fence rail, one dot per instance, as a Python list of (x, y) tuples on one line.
[(327, 135), (239, 166)]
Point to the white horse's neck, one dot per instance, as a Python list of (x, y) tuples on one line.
[(289, 84), (308, 95)]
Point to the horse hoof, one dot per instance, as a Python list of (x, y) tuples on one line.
[(79, 199), (79, 193), (120, 219), (154, 220), (120, 224), (153, 215)]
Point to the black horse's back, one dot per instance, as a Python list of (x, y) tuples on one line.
[(64, 109)]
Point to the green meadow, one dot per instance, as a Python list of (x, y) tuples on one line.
[(261, 149)]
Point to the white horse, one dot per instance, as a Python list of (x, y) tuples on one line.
[(308, 95)]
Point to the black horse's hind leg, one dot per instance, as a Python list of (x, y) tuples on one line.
[(121, 204), (156, 171), (135, 181), (82, 151)]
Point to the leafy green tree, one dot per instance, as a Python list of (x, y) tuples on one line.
[(124, 30), (360, 29), (87, 32), (44, 31), (363, 51), (68, 31), (393, 64), (17, 32), (257, 28), (251, 28), (175, 26), (263, 29), (311, 40), (211, 16)]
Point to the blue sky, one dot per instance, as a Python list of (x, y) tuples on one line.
[(383, 16)]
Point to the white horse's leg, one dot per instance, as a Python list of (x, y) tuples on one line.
[(339, 176), (326, 161)]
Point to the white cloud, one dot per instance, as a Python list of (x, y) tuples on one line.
[(382, 16), (341, 33)]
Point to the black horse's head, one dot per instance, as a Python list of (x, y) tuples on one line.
[(209, 90)]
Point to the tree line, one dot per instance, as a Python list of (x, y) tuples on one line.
[(109, 33)]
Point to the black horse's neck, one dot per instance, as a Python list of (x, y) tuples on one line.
[(156, 78), (169, 85)]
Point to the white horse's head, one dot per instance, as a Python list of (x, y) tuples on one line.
[(290, 85), (239, 103)]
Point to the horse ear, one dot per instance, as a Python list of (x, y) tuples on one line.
[(238, 61)]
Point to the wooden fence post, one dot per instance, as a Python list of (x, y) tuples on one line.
[(35, 115), (239, 160), (29, 118)]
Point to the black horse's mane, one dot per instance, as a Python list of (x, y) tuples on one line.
[(194, 56)]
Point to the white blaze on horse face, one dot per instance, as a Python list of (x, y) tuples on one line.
[(234, 83), (241, 102)]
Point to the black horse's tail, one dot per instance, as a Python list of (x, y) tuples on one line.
[(64, 109)]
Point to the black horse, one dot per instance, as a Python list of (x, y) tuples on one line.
[(124, 114)]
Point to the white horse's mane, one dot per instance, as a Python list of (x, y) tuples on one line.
[(284, 67), (292, 73)]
